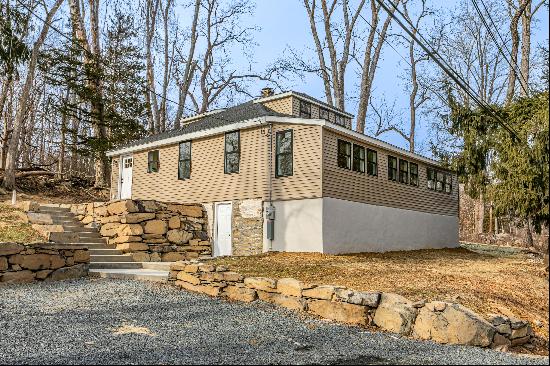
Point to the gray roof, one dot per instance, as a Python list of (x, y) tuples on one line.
[(241, 112)]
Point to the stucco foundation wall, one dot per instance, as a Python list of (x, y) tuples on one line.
[(351, 227), (298, 226)]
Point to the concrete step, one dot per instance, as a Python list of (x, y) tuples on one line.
[(91, 240), (116, 265), (79, 229), (110, 258), (129, 274), (158, 266), (96, 245), (46, 209), (102, 251)]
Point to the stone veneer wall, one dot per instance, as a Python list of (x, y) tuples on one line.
[(42, 262), (438, 321), (150, 230), (247, 227)]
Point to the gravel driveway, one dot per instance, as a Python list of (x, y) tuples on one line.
[(100, 321)]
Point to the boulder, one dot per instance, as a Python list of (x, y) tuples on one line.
[(174, 222), (291, 287), (324, 292), (31, 261), (150, 206), (141, 257), (39, 218), (497, 319), (87, 219), (179, 236), (155, 227), (261, 283), (40, 275), (521, 332), (370, 299), (109, 229), (132, 247), (436, 306), (109, 219), (455, 324), (76, 271), (129, 229), (395, 314), (155, 257), (203, 267), (289, 302), (17, 277), (56, 262), (186, 210), (504, 328), (101, 211), (520, 341), (172, 257), (187, 277), (124, 239), (10, 248), (3, 264), (339, 311), (81, 256), (232, 277), (212, 276), (28, 206), (120, 207), (240, 293), (134, 218)]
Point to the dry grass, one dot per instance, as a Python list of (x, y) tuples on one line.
[(485, 279), (13, 227)]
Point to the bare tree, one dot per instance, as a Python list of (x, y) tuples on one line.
[(12, 153), (526, 21), (186, 78)]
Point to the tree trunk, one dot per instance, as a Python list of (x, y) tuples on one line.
[(9, 174), (480, 214)]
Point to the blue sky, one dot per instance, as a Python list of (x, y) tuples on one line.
[(284, 24)]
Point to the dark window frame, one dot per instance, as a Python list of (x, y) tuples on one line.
[(437, 181), (373, 164), (403, 173), (342, 121), (392, 177), (238, 153), (305, 112), (347, 157), (359, 170), (321, 109), (447, 181), (411, 174), (180, 160), (291, 153), (150, 161), (430, 180)]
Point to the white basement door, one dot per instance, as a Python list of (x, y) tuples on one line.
[(126, 177), (223, 230)]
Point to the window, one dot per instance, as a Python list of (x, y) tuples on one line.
[(403, 171), (323, 114), (392, 168), (439, 181), (448, 183), (128, 162), (413, 168), (344, 154), (339, 120), (358, 158), (283, 153), (305, 109), (153, 161), (184, 160), (430, 173), (372, 162), (232, 152)]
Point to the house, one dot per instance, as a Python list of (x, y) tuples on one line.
[(285, 172)]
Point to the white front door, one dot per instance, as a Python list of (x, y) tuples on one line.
[(126, 177), (222, 245)]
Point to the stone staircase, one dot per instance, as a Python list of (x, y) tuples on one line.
[(105, 260)]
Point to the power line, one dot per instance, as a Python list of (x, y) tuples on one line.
[(101, 61), (457, 78), (523, 82)]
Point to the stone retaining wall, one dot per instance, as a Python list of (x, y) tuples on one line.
[(150, 230), (441, 322), (42, 262)]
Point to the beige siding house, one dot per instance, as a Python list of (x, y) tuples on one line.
[(285, 172)]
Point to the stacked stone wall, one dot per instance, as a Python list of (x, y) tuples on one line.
[(438, 321), (42, 262), (150, 230)]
